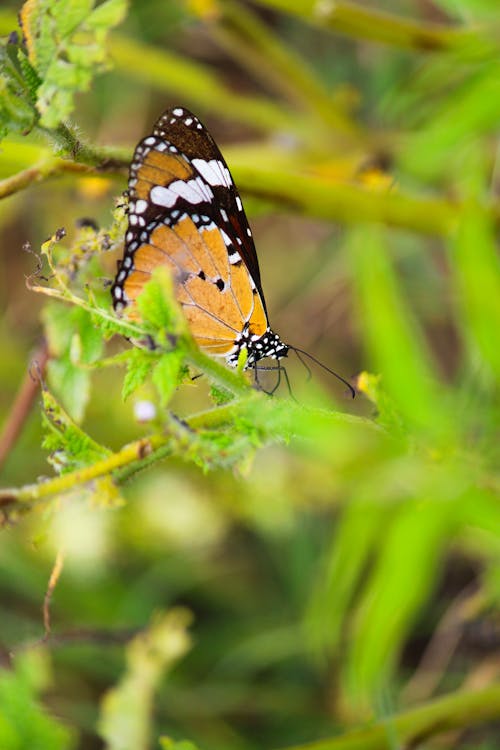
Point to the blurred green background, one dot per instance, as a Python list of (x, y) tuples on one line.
[(348, 573)]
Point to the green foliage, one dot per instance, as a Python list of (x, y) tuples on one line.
[(159, 310), (139, 362), (69, 446), (168, 744), (75, 343), (23, 722), (18, 82), (126, 709), (166, 375), (477, 269), (326, 554), (66, 47)]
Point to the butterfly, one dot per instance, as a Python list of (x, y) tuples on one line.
[(185, 213)]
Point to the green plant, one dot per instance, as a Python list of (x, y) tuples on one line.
[(327, 556)]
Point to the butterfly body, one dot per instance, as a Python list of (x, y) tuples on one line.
[(185, 213)]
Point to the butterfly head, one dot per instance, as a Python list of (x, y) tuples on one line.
[(258, 347)]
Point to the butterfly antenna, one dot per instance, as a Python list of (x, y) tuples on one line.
[(298, 352), (302, 362)]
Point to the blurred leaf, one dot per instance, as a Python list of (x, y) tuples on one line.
[(401, 580), (469, 112), (394, 343), (345, 563), (387, 415), (471, 9), (23, 722), (168, 744), (126, 711), (476, 266)]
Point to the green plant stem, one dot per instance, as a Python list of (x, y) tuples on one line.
[(132, 455), (459, 710), (31, 493), (274, 417), (310, 195), (232, 380), (102, 160), (66, 139), (373, 25), (39, 173), (339, 201)]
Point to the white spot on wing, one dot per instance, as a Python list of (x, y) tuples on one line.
[(191, 191), (211, 171)]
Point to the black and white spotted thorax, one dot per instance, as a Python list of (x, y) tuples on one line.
[(258, 347)]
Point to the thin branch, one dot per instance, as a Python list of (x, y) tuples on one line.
[(21, 408), (54, 578), (274, 417), (54, 167), (460, 710), (32, 493), (78, 637), (39, 173)]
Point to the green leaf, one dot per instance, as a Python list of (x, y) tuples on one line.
[(166, 375), (220, 395), (17, 79), (24, 723), (74, 342), (387, 415), (166, 743), (476, 266), (66, 46), (405, 573), (72, 385), (70, 447), (139, 364), (474, 109), (393, 339), (159, 308)]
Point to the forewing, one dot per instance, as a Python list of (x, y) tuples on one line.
[(185, 212)]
